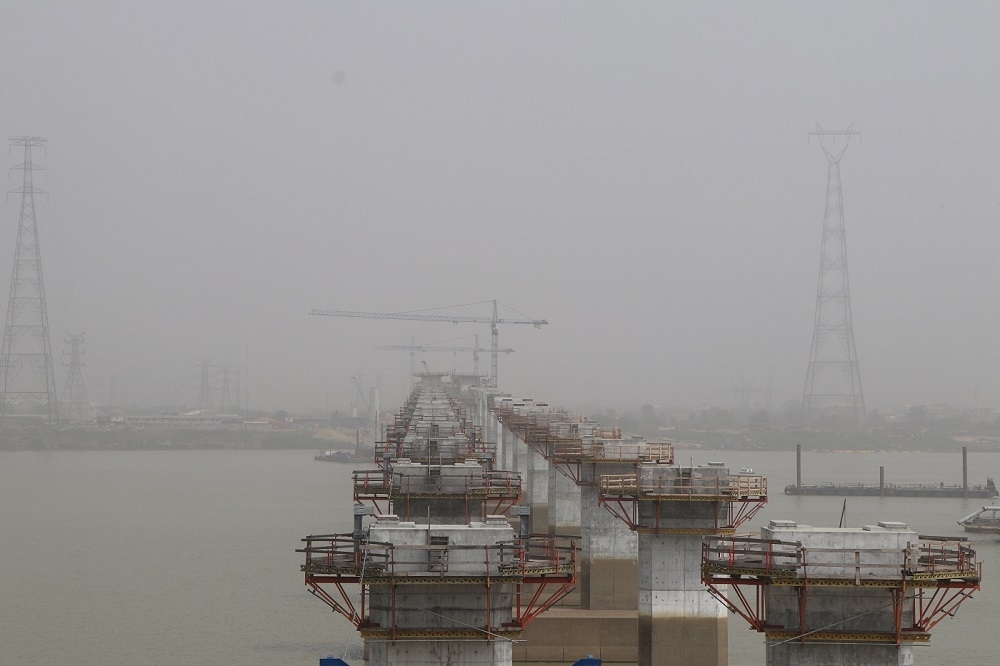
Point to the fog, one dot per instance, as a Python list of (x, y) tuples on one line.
[(640, 175)]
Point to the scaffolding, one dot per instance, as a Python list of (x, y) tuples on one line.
[(334, 561), (494, 491), (923, 583), (435, 451), (644, 504), (571, 457)]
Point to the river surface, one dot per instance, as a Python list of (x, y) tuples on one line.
[(188, 557)]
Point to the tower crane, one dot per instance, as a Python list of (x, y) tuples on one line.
[(493, 321), (414, 348), (361, 394)]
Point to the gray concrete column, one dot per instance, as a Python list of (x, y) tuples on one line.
[(564, 504), (608, 558), (537, 489), (679, 620)]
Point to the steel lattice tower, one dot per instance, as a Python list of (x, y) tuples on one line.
[(26, 341), (75, 390), (205, 389), (838, 392)]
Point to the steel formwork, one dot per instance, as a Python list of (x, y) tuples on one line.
[(570, 457), (496, 490), (737, 499), (937, 574), (546, 563)]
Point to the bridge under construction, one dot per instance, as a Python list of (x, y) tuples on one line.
[(494, 529)]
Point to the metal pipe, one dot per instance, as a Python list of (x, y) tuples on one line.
[(965, 472), (798, 468)]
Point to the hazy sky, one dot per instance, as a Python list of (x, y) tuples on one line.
[(637, 173)]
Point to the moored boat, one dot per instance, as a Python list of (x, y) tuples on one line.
[(984, 521)]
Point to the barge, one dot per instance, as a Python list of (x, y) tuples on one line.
[(883, 489), (343, 456), (893, 490)]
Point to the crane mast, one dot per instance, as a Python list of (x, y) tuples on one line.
[(414, 348)]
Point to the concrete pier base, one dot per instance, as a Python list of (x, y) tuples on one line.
[(798, 654), (608, 564), (536, 489), (563, 635), (437, 653), (564, 504), (680, 622)]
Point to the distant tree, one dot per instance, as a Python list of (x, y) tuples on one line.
[(918, 416), (280, 415), (793, 412), (760, 417), (875, 419), (717, 416)]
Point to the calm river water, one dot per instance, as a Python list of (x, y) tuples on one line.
[(187, 557)]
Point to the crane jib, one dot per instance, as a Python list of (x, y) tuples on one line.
[(537, 323)]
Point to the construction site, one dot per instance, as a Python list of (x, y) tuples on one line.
[(493, 529)]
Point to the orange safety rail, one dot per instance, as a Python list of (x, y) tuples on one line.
[(498, 490), (570, 454), (547, 563), (938, 574), (600, 451), (737, 499), (448, 450), (734, 486)]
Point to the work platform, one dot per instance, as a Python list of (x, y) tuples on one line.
[(840, 595), (400, 553), (410, 490), (647, 501)]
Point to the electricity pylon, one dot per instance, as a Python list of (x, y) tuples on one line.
[(26, 341), (839, 392), (78, 409)]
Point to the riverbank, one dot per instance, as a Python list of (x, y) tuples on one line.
[(785, 439), (121, 439)]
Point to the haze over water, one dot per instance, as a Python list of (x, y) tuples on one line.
[(187, 557)]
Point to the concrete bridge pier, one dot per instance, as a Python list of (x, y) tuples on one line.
[(609, 551), (564, 504), (680, 622), (537, 489)]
